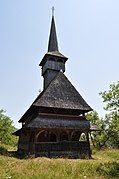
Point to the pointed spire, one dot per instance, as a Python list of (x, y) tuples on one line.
[(53, 44)]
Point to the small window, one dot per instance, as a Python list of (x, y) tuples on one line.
[(52, 59)]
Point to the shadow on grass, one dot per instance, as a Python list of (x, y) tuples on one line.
[(5, 152)]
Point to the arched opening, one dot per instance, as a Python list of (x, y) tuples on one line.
[(42, 136), (63, 136), (83, 137), (52, 137), (75, 136)]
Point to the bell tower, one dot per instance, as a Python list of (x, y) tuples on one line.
[(53, 61), (55, 122)]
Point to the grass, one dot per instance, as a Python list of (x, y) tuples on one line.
[(104, 165)]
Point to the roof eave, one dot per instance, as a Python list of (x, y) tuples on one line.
[(82, 110), (52, 55)]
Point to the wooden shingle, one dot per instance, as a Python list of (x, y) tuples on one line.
[(62, 94)]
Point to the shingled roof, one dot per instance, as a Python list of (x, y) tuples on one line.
[(70, 122), (62, 94)]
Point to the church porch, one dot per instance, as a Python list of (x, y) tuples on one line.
[(62, 143)]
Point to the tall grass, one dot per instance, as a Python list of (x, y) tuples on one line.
[(105, 164)]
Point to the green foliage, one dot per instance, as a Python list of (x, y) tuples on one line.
[(112, 128), (110, 169), (111, 105), (3, 150), (6, 130), (100, 137), (108, 135), (111, 98)]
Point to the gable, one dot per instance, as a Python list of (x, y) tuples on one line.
[(62, 94)]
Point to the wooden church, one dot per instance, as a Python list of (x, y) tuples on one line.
[(55, 124)]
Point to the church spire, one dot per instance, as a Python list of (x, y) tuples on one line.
[(53, 62), (53, 44)]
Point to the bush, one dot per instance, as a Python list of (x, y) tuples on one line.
[(110, 169), (3, 151)]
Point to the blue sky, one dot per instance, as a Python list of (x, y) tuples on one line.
[(88, 34)]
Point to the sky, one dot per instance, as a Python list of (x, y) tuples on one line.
[(88, 34)]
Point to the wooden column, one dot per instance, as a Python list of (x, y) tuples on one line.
[(87, 136)]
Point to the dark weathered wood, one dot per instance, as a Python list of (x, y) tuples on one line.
[(47, 121), (61, 94), (55, 121), (81, 148), (62, 146)]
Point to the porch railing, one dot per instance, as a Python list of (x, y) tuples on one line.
[(62, 146)]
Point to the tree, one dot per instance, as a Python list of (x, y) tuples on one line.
[(111, 98), (108, 135), (100, 137), (112, 126), (6, 129), (111, 105)]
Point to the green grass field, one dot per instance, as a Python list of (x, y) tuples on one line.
[(105, 164)]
